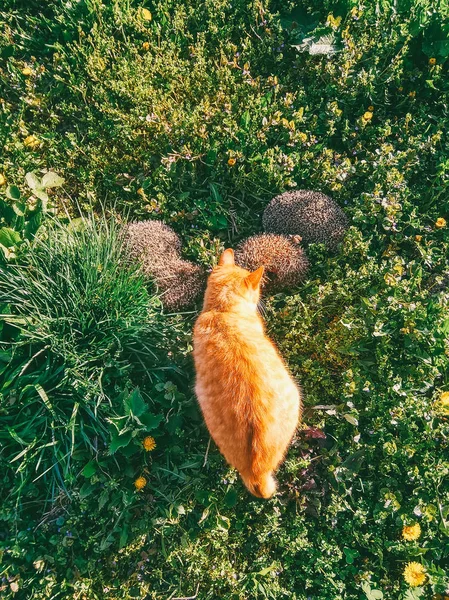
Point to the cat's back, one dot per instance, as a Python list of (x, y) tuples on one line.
[(233, 357)]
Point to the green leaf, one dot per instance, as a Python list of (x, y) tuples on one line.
[(414, 594), (370, 593), (13, 192), (245, 120), (33, 181), (354, 461), (90, 469), (151, 421), (123, 536), (351, 419), (9, 237), (264, 572), (42, 196), (230, 498), (223, 523), (104, 496), (350, 555), (135, 404), (86, 489), (19, 208), (33, 225), (215, 193), (51, 180), (119, 441)]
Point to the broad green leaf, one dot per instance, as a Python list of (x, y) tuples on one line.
[(51, 180), (33, 225), (104, 496), (90, 469), (19, 208), (86, 489), (414, 594), (230, 498), (370, 593), (42, 195), (351, 419), (119, 441), (9, 237), (33, 181), (354, 461), (151, 421), (135, 404), (13, 192)]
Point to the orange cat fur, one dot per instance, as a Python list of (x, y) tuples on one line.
[(249, 400)]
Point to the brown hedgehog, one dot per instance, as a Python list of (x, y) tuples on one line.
[(151, 242), (284, 260), (312, 215), (156, 247), (180, 284)]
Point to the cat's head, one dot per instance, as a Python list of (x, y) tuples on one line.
[(231, 286)]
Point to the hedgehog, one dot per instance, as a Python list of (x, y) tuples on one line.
[(157, 249), (312, 215), (181, 285), (151, 243), (285, 262)]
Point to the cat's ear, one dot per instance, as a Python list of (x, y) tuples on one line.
[(227, 258), (253, 279)]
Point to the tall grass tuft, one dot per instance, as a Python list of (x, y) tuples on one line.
[(81, 330)]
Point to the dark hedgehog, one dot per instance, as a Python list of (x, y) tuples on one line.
[(312, 215), (285, 262)]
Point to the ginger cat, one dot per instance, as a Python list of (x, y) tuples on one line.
[(249, 400)]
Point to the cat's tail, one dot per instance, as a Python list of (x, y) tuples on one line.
[(262, 486)]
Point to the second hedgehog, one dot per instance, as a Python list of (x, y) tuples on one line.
[(312, 215), (157, 249), (284, 260)]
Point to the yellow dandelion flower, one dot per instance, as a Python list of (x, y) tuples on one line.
[(432, 61), (146, 46), (31, 141), (411, 532), (368, 116), (140, 483), (414, 574), (412, 94), (27, 71), (440, 222), (418, 238), (371, 108), (2, 179), (149, 443), (145, 14), (232, 161), (399, 269)]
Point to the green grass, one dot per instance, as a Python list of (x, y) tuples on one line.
[(140, 118)]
